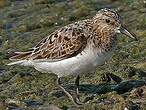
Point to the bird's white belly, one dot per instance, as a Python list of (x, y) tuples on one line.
[(85, 62)]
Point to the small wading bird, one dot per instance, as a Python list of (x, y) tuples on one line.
[(75, 49)]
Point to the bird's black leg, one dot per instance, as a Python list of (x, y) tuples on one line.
[(67, 93), (77, 82)]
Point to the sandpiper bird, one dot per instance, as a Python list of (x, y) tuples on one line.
[(75, 49)]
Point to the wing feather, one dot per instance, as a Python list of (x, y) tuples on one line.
[(64, 43)]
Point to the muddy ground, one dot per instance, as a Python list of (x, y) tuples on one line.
[(24, 22)]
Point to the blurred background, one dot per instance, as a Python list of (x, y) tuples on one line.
[(23, 23)]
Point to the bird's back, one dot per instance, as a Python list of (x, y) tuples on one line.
[(63, 43)]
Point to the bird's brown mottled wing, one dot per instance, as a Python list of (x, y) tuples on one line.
[(63, 43)]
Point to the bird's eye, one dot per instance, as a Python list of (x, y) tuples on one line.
[(107, 20)]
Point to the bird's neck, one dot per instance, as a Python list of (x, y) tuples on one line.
[(104, 38)]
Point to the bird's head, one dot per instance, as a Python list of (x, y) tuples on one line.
[(108, 20)]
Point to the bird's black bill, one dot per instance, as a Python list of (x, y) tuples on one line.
[(127, 33)]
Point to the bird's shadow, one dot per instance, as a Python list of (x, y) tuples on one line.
[(103, 88)]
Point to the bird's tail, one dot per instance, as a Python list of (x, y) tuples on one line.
[(21, 55), (22, 62), (21, 58), (17, 62)]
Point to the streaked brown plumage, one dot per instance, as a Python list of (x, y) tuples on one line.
[(76, 48), (72, 39)]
